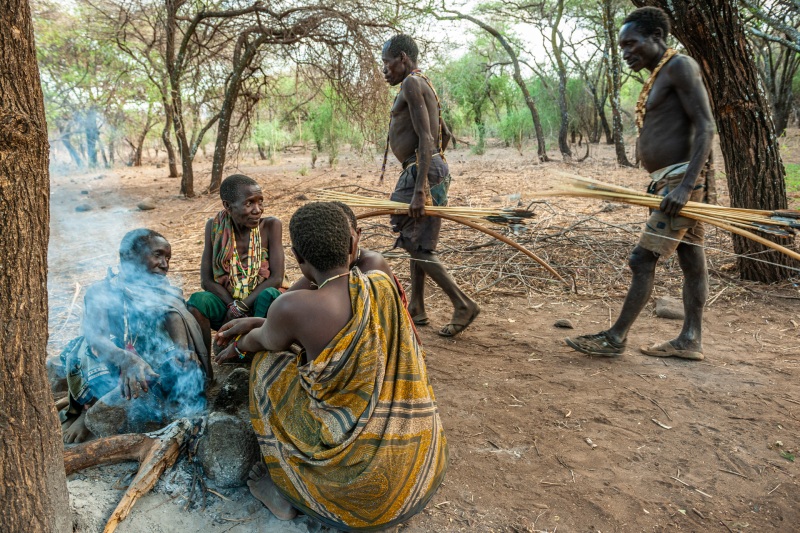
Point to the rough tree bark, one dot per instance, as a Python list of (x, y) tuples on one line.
[(165, 133), (245, 51), (713, 33), (174, 59), (33, 488), (614, 84), (558, 44)]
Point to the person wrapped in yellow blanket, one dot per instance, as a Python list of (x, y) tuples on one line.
[(348, 424)]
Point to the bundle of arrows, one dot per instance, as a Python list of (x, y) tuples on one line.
[(782, 223)]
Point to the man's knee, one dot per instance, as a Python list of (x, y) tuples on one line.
[(642, 260), (692, 259)]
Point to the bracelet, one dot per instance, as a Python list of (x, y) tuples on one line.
[(241, 306), (237, 313), (236, 349)]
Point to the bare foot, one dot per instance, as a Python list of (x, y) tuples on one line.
[(462, 318), (265, 491), (75, 430)]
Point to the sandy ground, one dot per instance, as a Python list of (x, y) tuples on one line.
[(541, 438)]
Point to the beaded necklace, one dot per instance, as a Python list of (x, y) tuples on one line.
[(331, 279), (242, 279), (641, 103)]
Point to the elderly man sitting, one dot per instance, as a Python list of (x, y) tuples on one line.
[(141, 360)]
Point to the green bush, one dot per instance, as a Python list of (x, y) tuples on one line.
[(792, 176), (516, 126), (270, 137)]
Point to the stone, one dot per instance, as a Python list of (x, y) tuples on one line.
[(146, 205), (671, 308), (564, 323), (84, 192), (343, 175), (234, 393), (113, 414), (228, 450), (80, 208), (56, 373)]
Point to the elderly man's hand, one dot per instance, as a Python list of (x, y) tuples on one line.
[(134, 377)]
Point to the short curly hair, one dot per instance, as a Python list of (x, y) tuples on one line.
[(320, 234), (349, 212), (648, 19), (402, 43), (230, 187), (134, 244)]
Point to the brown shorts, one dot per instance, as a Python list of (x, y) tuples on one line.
[(420, 234), (662, 234)]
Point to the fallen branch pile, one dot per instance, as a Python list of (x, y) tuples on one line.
[(155, 452)]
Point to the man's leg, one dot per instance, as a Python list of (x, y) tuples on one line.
[(416, 303), (205, 327), (612, 341), (176, 329), (695, 292), (464, 308), (643, 265)]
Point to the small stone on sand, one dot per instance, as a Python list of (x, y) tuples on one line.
[(146, 205), (667, 307), (564, 323), (80, 208)]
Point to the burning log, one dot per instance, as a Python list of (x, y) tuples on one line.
[(155, 452)]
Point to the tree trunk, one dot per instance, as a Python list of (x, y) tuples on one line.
[(713, 32), (174, 70), (563, 144), (92, 136), (170, 149), (73, 153), (33, 488), (248, 51), (103, 154), (614, 84)]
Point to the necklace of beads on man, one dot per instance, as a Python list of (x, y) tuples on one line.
[(331, 279)]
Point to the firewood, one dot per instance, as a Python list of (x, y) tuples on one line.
[(155, 452)]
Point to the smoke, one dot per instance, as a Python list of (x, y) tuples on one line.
[(88, 218)]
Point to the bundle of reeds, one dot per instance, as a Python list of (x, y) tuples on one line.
[(503, 216), (468, 216), (782, 223)]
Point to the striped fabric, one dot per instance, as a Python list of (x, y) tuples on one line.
[(353, 438)]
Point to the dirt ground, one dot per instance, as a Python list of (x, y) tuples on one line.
[(541, 438)]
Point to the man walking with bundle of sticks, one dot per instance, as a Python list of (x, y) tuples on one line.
[(675, 125), (418, 138)]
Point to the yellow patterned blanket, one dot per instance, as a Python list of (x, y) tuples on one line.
[(353, 438)]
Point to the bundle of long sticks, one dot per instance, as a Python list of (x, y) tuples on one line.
[(509, 216), (782, 223), (468, 216)]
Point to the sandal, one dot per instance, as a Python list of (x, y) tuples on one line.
[(666, 349), (421, 320), (452, 329), (598, 344)]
